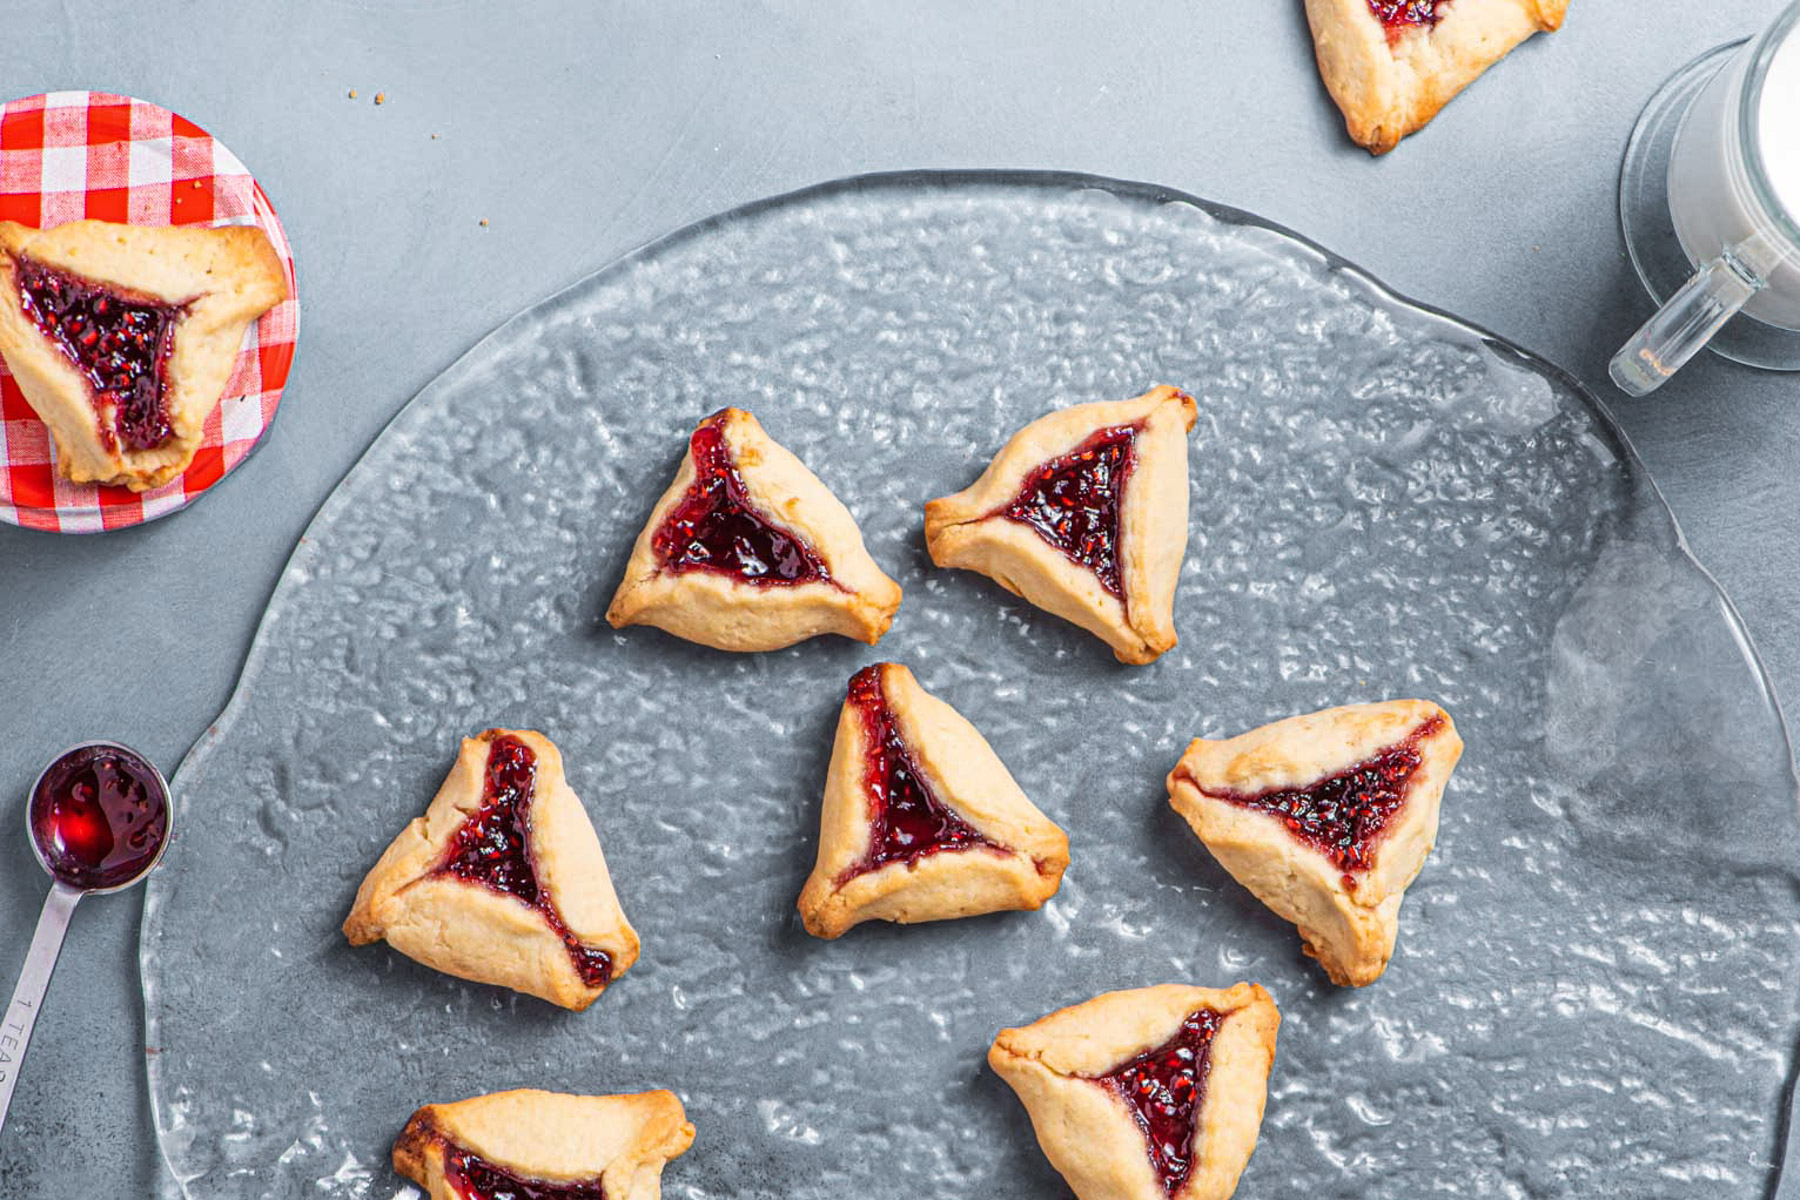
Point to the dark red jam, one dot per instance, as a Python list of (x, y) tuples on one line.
[(120, 341), (1073, 502), (1398, 15), (493, 848), (715, 528), (474, 1178), (906, 821), (1164, 1088), (99, 814), (594, 966), (1346, 814)]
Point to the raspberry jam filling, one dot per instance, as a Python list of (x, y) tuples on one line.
[(1073, 502), (474, 1178), (1344, 815), (493, 848), (715, 528), (906, 821), (120, 341), (1399, 15), (1164, 1088), (99, 815)]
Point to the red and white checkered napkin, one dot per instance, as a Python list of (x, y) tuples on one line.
[(68, 155)]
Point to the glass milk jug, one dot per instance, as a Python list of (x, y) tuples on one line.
[(1721, 144)]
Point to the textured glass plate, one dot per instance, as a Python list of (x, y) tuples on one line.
[(1595, 991)]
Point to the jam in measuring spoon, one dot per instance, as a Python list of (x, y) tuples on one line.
[(98, 818)]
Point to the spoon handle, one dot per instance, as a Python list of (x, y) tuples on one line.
[(28, 997)]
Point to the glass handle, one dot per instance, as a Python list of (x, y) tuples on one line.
[(1685, 323), (34, 978)]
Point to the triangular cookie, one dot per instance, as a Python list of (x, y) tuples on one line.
[(1150, 1094), (1327, 818), (1083, 513), (542, 1144), (922, 821), (123, 337), (502, 880), (747, 550), (1392, 64)]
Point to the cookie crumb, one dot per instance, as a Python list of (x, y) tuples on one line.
[(381, 97)]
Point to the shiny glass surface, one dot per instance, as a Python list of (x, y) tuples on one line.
[(1593, 990)]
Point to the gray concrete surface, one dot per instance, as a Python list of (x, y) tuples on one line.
[(579, 129)]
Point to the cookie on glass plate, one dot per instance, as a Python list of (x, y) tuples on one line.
[(1392, 64), (544, 1145), (1150, 1094), (502, 880), (123, 337), (921, 820), (1327, 819), (747, 550), (1084, 513)]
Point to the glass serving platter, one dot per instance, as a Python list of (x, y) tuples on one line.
[(1595, 991)]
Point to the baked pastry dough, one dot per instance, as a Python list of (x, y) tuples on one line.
[(502, 880), (1083, 513), (585, 1147), (747, 550), (1327, 819), (1392, 64), (922, 821), (1150, 1094), (123, 337)]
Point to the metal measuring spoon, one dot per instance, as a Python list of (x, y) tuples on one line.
[(99, 819)]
